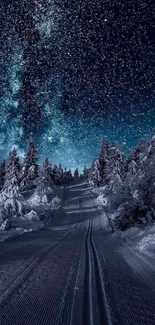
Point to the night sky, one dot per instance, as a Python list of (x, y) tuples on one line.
[(73, 72)]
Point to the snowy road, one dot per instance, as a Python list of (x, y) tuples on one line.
[(75, 272)]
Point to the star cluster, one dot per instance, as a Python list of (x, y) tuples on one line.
[(73, 72)]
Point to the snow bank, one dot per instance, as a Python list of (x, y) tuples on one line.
[(34, 201), (147, 243), (140, 238), (101, 200), (56, 202), (9, 234), (35, 216), (5, 225), (32, 215)]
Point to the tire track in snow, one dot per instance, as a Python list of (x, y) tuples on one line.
[(66, 310), (88, 307), (90, 304), (112, 310), (76, 312), (104, 309)]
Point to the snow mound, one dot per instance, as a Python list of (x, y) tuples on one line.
[(35, 200), (32, 215), (28, 230), (5, 225), (56, 202), (146, 242), (101, 200)]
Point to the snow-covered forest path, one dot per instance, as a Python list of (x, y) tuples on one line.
[(74, 272)]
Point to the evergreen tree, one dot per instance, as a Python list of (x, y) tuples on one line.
[(69, 175), (85, 173), (139, 199), (104, 149), (44, 187), (55, 173), (30, 168), (49, 172), (11, 181), (60, 171), (2, 173), (65, 173), (97, 172), (115, 167), (10, 195), (76, 173)]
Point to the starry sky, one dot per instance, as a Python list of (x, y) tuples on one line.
[(73, 72)]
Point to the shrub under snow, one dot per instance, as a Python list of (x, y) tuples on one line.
[(56, 201), (101, 200), (32, 215)]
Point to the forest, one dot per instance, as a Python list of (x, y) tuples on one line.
[(125, 186)]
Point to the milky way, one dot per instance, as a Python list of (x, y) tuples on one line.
[(73, 72)]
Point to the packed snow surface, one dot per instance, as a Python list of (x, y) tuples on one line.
[(79, 267)]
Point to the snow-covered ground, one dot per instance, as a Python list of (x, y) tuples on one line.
[(35, 214), (88, 263), (141, 237)]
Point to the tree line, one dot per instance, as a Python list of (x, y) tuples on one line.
[(127, 184)]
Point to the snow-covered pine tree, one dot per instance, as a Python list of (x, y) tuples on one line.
[(76, 174), (11, 181), (96, 173), (47, 169), (30, 169), (138, 153), (55, 173), (114, 173), (135, 166), (114, 167), (130, 175), (104, 149), (146, 174), (139, 199), (2, 173), (44, 187), (49, 172), (86, 172), (11, 205), (69, 175), (65, 173), (131, 169), (60, 170)]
